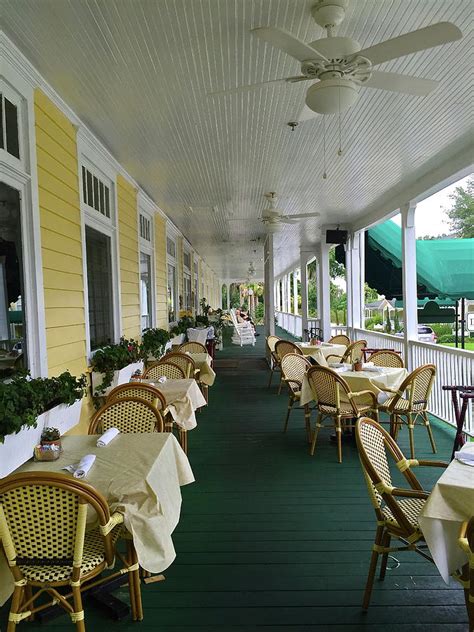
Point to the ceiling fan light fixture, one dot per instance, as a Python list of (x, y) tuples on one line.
[(332, 95)]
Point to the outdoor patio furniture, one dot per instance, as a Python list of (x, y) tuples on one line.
[(340, 339), (334, 400), (460, 396), (244, 333), (293, 368), (192, 347), (353, 352), (413, 407), (282, 347), (170, 370), (384, 357), (274, 360), (396, 509), (466, 577), (183, 360), (43, 528), (131, 414)]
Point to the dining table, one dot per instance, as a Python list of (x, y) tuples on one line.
[(321, 351), (450, 503), (140, 475), (183, 398)]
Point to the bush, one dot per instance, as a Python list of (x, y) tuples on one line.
[(446, 338), (259, 313)]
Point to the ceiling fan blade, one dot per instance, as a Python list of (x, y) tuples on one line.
[(306, 114), (421, 39), (263, 84), (400, 83), (288, 220), (304, 215), (286, 42)]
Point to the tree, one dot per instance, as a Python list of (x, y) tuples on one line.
[(370, 295), (388, 322), (461, 214), (396, 321)]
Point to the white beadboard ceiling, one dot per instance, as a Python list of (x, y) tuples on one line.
[(137, 73)]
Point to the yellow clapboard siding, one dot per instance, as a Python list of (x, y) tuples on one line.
[(160, 272), (54, 260), (129, 311), (129, 255), (62, 256)]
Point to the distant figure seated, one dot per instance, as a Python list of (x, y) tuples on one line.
[(243, 316)]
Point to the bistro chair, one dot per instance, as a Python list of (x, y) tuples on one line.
[(293, 368), (170, 370), (274, 360), (340, 339), (411, 410), (387, 358), (335, 401), (396, 509), (355, 351), (129, 415), (183, 360), (466, 577), (43, 518), (143, 391), (192, 347), (282, 347)]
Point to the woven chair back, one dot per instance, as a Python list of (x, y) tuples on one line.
[(271, 342), (466, 542), (355, 351), (282, 347), (140, 390), (325, 385), (169, 370), (387, 358), (192, 347), (375, 446), (129, 415), (294, 367), (183, 360), (43, 517), (340, 339), (418, 384)]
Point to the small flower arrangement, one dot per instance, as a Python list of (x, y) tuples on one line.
[(50, 435)]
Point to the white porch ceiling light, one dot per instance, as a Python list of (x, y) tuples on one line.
[(332, 95)]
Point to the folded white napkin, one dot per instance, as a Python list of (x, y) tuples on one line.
[(465, 456), (372, 369), (162, 379), (107, 437), (81, 469), (382, 397), (366, 365), (335, 365), (341, 369)]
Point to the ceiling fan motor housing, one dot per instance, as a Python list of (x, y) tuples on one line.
[(332, 95), (329, 13)]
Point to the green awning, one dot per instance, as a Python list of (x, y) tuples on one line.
[(445, 267)]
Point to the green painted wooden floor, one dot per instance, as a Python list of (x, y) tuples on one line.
[(272, 538)]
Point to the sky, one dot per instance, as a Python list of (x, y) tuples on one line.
[(430, 217)]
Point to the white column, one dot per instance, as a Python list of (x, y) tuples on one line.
[(269, 281), (228, 296), (409, 278), (288, 293), (295, 292), (277, 295), (355, 281), (304, 291), (324, 300)]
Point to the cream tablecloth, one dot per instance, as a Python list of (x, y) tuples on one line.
[(183, 398), (140, 475), (451, 502), (202, 362), (362, 381), (322, 351), (199, 334)]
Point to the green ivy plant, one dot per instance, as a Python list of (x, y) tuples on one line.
[(113, 358), (23, 399), (154, 341)]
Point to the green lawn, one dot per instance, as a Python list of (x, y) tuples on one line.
[(469, 345)]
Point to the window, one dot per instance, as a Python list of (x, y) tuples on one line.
[(171, 293), (95, 193), (12, 308), (10, 121), (187, 259), (145, 290), (187, 291), (99, 288), (171, 247), (196, 290), (145, 228)]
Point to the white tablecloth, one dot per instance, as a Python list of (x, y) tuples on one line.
[(140, 475), (451, 502), (183, 398), (199, 334), (362, 381), (322, 351), (203, 362)]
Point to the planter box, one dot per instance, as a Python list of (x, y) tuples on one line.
[(178, 340), (120, 377), (18, 448)]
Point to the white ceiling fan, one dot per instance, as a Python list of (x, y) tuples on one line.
[(338, 67), (272, 218)]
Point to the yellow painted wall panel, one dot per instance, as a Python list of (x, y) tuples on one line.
[(76, 367), (60, 217)]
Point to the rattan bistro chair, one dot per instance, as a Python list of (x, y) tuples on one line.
[(282, 347), (294, 367), (183, 360), (396, 509), (192, 347), (387, 358), (334, 400), (340, 339), (411, 409), (169, 370), (354, 351), (43, 519), (129, 415), (466, 577), (274, 360)]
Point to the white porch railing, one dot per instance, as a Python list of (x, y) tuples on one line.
[(453, 367), (292, 324)]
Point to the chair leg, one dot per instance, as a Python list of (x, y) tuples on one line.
[(373, 567), (78, 608), (290, 404), (315, 433), (385, 543), (281, 384), (430, 431), (339, 439), (411, 435), (271, 376), (307, 422), (183, 440), (17, 600), (136, 586)]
